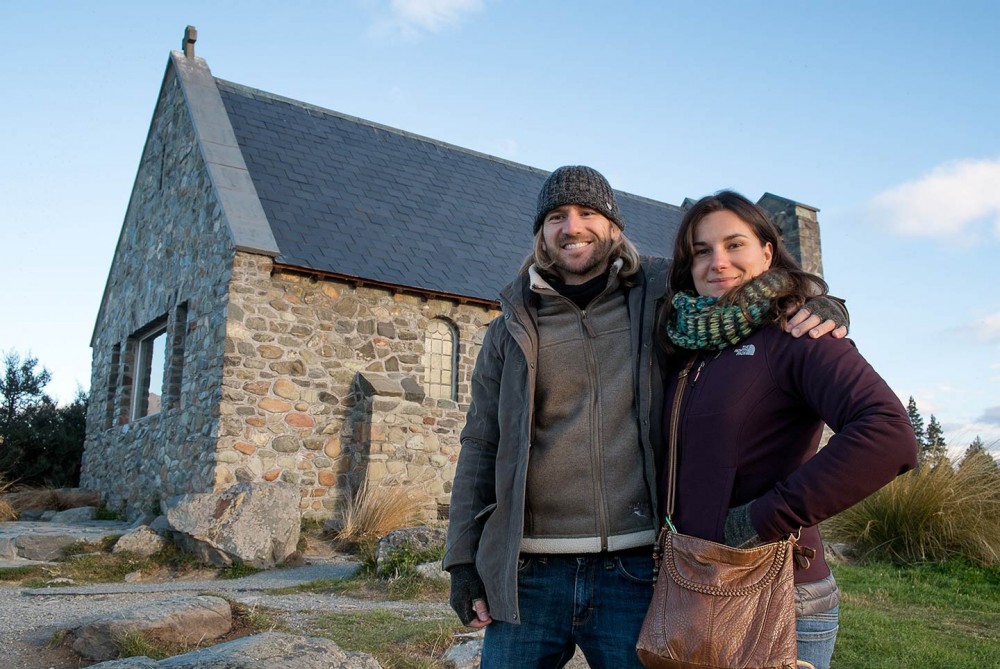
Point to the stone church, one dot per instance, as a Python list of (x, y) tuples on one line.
[(300, 295)]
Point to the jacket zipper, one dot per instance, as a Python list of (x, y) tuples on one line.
[(595, 408)]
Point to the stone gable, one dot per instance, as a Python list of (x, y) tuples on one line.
[(171, 268)]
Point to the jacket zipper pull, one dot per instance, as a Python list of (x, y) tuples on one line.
[(697, 373)]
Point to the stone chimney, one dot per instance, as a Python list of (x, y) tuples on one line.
[(799, 230)]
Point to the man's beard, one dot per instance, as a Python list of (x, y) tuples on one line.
[(600, 251)]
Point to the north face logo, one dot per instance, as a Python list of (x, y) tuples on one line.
[(747, 349)]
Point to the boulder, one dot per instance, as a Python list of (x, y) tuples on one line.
[(416, 539), (464, 654), (253, 523), (271, 650), (141, 541), (80, 514), (433, 571), (182, 621), (43, 547)]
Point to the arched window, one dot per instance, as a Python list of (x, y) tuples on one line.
[(440, 347)]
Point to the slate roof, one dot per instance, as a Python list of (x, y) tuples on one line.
[(347, 196)]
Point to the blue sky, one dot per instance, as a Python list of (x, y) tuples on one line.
[(882, 115)]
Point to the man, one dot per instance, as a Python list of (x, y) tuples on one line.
[(554, 550)]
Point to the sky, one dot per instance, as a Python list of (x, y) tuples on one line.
[(884, 116)]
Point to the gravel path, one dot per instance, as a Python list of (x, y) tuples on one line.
[(30, 617)]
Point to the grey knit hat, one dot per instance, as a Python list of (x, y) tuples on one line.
[(579, 185)]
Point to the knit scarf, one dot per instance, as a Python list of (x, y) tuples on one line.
[(702, 323)]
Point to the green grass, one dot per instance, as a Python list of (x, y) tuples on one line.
[(21, 573), (363, 586), (104, 513), (136, 644), (930, 615), (238, 570), (89, 562), (394, 640)]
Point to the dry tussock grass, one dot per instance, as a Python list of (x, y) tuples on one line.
[(928, 515), (376, 509), (45, 499), (7, 511)]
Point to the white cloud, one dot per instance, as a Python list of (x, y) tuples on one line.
[(988, 329), (409, 18), (949, 200)]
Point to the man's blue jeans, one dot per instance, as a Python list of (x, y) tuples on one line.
[(596, 602), (816, 636)]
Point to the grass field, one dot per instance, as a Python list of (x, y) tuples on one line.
[(926, 616)]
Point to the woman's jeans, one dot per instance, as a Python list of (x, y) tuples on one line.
[(596, 602), (816, 636)]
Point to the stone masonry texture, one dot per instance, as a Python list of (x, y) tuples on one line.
[(322, 386)]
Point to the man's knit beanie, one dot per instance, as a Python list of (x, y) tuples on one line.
[(579, 185)]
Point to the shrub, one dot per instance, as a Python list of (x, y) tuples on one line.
[(928, 515), (375, 510)]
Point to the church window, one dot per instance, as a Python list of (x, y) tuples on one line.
[(440, 349)]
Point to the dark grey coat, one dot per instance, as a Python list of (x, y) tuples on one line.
[(486, 519)]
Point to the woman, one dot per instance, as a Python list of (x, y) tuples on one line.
[(752, 415)]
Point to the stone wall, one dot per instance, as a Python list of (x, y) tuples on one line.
[(400, 437), (172, 263), (294, 348)]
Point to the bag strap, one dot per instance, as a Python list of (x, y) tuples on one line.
[(675, 414)]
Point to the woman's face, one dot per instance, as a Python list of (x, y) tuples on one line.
[(727, 254)]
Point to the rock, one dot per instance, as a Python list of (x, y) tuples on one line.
[(141, 519), (433, 571), (837, 553), (8, 548), (30, 515), (271, 650), (464, 655), (416, 539), (141, 541), (141, 662), (253, 523), (80, 514), (161, 526), (43, 547), (188, 620)]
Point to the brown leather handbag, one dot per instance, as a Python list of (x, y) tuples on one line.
[(714, 606)]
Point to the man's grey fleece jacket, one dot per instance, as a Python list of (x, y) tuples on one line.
[(487, 518)]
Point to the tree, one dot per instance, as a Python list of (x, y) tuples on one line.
[(40, 443), (934, 450), (21, 387), (917, 421), (976, 452)]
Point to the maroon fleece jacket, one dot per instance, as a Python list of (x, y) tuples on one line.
[(750, 424)]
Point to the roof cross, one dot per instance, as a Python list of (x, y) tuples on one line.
[(190, 37)]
